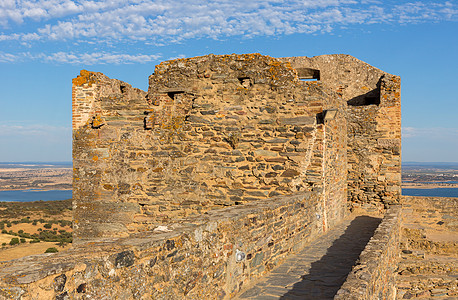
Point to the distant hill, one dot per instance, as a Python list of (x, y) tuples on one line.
[(33, 165), (430, 165)]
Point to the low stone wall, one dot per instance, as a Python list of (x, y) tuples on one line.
[(210, 256), (374, 275), (428, 251)]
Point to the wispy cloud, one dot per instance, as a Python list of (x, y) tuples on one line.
[(417, 12), (98, 58), (7, 57), (35, 130), (430, 133), (429, 144), (108, 24), (22, 141), (81, 58), (175, 20)]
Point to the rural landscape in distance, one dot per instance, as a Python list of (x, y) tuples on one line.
[(38, 224), (29, 224)]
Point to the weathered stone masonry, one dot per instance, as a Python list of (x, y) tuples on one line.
[(218, 131), (209, 179), (210, 132), (373, 121)]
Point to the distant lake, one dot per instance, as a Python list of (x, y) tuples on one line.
[(34, 195), (440, 192)]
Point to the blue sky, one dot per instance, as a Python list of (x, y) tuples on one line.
[(44, 44)]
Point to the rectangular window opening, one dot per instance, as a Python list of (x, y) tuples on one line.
[(308, 74), (173, 94)]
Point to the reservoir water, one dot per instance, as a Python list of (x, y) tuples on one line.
[(440, 192), (34, 195)]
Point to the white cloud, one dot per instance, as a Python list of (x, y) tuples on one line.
[(7, 57), (429, 144), (174, 20), (429, 133), (35, 130), (81, 58), (416, 12), (98, 58)]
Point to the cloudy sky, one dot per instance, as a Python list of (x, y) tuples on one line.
[(44, 43)]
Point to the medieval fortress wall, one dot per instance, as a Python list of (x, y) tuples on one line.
[(219, 131), (214, 175)]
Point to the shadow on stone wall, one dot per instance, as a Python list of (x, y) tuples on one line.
[(371, 97), (328, 274)]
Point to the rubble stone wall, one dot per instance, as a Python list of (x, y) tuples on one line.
[(374, 148), (373, 122), (210, 256), (211, 131), (428, 248)]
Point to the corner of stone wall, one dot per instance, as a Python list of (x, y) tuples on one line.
[(83, 97), (96, 211)]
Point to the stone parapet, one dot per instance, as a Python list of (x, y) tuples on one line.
[(207, 257), (374, 276)]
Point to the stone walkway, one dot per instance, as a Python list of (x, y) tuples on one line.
[(318, 271)]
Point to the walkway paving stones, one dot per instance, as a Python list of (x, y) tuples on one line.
[(318, 271)]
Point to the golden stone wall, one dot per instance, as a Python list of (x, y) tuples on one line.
[(211, 132)]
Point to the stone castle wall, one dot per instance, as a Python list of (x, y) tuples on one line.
[(210, 132), (209, 179), (373, 121), (374, 275)]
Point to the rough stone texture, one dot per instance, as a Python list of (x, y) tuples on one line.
[(428, 249), (211, 131), (374, 276), (193, 259), (318, 270), (226, 165), (374, 124)]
